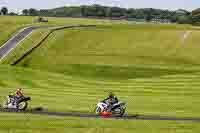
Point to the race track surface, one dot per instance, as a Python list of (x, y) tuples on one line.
[(84, 115), (13, 41)]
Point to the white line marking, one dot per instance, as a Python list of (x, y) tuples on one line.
[(15, 34), (1, 59)]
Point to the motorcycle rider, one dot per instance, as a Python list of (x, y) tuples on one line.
[(19, 93), (111, 101), (14, 100)]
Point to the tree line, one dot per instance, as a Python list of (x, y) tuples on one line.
[(195, 17), (4, 11), (97, 11)]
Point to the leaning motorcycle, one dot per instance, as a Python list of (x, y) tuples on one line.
[(117, 109), (19, 103)]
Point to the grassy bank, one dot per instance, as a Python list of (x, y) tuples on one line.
[(118, 45), (167, 94), (146, 65), (154, 68)]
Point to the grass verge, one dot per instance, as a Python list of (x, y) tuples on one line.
[(36, 124)]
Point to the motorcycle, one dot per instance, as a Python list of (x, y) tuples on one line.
[(117, 109), (19, 103)]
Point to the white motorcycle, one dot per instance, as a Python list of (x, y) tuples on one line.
[(13, 102), (117, 109)]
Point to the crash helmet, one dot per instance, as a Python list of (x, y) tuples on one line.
[(19, 89)]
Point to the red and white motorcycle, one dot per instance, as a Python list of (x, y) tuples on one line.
[(117, 109)]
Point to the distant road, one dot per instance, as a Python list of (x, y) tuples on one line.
[(16, 39)]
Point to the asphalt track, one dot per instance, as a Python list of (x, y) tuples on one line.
[(85, 115), (13, 41)]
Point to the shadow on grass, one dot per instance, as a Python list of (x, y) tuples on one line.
[(122, 73)]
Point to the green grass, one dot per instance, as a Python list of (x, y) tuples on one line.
[(117, 45), (169, 95), (148, 66), (25, 123)]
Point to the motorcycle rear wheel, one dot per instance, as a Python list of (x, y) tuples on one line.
[(122, 111)]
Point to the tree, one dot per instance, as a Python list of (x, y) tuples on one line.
[(195, 16), (4, 10), (148, 14), (100, 11), (144, 14), (140, 14), (108, 12), (44, 13), (148, 17), (12, 14), (33, 12), (25, 12), (131, 13), (117, 12), (183, 20)]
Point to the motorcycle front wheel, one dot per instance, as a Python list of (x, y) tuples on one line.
[(22, 105), (122, 111)]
